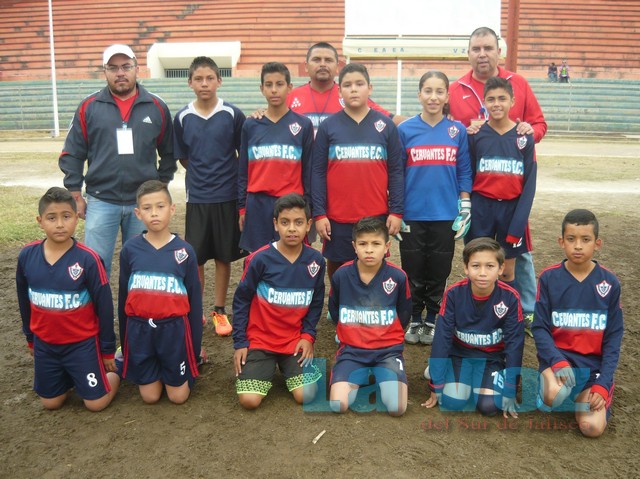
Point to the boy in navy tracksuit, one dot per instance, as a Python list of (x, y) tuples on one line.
[(357, 169), (67, 311), (276, 308), (478, 343), (371, 304), (578, 327), (504, 178), (275, 159), (159, 303)]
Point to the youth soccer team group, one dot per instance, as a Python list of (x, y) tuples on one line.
[(354, 179)]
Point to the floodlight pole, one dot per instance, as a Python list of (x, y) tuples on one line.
[(56, 122), (512, 35)]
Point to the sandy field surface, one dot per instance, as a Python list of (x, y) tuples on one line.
[(212, 436)]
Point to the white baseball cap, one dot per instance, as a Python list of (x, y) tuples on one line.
[(117, 49)]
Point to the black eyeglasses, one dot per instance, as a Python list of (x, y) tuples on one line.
[(127, 67)]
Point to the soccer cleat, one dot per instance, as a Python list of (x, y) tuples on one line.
[(221, 324), (412, 336), (426, 334), (528, 321)]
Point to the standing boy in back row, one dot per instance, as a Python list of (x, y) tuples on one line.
[(275, 159), (504, 178), (207, 141), (357, 169)]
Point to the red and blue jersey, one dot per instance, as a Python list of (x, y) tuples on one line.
[(579, 323), (210, 145), (357, 168), (66, 302), (318, 106), (160, 284), (373, 315), (479, 327), (504, 168), (275, 158), (278, 303), (437, 168)]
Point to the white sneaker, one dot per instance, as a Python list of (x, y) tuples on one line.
[(412, 336), (427, 333)]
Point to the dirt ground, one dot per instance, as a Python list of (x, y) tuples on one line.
[(212, 436)]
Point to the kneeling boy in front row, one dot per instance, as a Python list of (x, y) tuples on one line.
[(67, 311), (578, 327), (159, 303), (276, 308), (477, 348), (371, 304)]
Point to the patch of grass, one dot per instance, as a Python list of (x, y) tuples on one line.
[(20, 208), (28, 134)]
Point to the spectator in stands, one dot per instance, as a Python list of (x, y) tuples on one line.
[(465, 100), (552, 72), (119, 131), (564, 72)]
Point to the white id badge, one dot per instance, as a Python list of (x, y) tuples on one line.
[(125, 141)]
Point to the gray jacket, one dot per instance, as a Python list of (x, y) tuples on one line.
[(110, 176)]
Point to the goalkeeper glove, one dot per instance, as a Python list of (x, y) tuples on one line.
[(462, 223)]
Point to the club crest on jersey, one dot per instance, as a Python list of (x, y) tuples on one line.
[(380, 125), (313, 269), (389, 285), (181, 255), (603, 288), (295, 128), (342, 102), (296, 103), (453, 131), (500, 309), (75, 271), (522, 142)]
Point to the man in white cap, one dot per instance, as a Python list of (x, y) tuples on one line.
[(119, 131)]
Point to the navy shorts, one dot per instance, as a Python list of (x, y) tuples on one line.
[(355, 365), (257, 374), (59, 367), (159, 350), (340, 248), (213, 231), (258, 222), (491, 218)]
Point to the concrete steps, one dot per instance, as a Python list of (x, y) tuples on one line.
[(583, 106)]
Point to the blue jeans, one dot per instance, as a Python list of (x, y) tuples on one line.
[(526, 282), (103, 220)]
